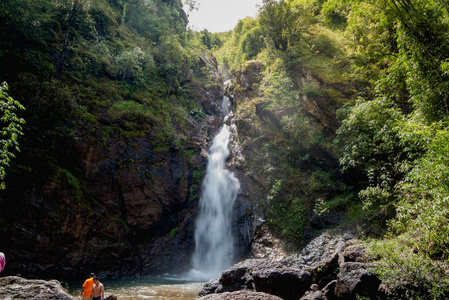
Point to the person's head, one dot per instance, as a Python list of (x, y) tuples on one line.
[(96, 279), (92, 274)]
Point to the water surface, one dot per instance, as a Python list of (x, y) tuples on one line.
[(145, 288)]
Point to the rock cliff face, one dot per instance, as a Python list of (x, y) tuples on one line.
[(260, 126), (130, 211)]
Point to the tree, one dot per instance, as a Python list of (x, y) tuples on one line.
[(371, 143), (191, 5), (278, 22), (75, 19), (10, 131), (206, 39), (423, 46)]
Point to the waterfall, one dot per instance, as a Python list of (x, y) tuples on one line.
[(225, 105), (213, 232)]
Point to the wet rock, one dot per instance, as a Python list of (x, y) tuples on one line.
[(356, 253), (266, 246), (13, 287), (324, 271), (210, 287), (348, 236), (354, 278), (240, 295), (327, 293), (329, 267), (246, 80), (329, 290), (318, 295), (319, 249), (282, 281), (238, 277), (263, 276), (320, 107), (242, 227)]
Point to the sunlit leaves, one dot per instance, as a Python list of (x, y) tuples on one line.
[(373, 144), (422, 36), (10, 131), (278, 22), (423, 209), (409, 274), (370, 132)]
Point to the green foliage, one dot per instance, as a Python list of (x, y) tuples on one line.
[(409, 275), (131, 115), (173, 232), (252, 43), (133, 64), (245, 42), (210, 40), (371, 34), (324, 45), (281, 91), (11, 130), (399, 140), (335, 13), (197, 114), (279, 23), (286, 215), (69, 183), (312, 90), (422, 40), (340, 202), (197, 177), (422, 211), (371, 144)]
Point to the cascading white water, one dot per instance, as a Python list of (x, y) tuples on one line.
[(213, 233), (225, 105)]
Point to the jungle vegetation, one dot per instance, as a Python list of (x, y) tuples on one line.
[(392, 141)]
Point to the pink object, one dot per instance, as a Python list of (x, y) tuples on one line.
[(2, 261)]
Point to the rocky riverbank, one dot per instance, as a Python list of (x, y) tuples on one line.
[(327, 268), (14, 287)]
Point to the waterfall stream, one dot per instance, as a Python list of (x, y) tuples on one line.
[(213, 232)]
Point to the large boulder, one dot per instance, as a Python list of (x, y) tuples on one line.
[(209, 287), (314, 294), (263, 276), (282, 281), (356, 253), (240, 295), (355, 279), (13, 287)]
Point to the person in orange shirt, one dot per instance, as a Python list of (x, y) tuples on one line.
[(87, 287)]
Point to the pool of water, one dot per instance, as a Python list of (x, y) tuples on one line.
[(160, 287)]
